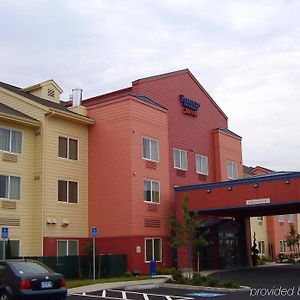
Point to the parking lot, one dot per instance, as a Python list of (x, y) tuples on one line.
[(268, 282)]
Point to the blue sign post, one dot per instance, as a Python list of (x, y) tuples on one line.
[(4, 233), (94, 235)]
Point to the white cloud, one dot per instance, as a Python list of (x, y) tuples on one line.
[(245, 53)]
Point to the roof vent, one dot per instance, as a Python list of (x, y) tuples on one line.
[(77, 97)]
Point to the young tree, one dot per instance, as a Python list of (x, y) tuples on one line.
[(292, 239), (184, 234)]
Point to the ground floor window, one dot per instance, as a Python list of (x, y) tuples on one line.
[(12, 248), (67, 247), (282, 245), (153, 249), (261, 248)]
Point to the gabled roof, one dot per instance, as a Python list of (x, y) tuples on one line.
[(51, 105), (183, 71), (29, 96), (41, 84)]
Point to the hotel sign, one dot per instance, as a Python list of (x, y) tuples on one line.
[(258, 201), (190, 107)]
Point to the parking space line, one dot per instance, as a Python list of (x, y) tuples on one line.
[(145, 296), (124, 295)]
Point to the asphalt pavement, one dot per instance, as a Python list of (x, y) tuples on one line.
[(277, 281)]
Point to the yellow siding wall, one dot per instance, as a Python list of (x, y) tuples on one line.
[(260, 229), (28, 232), (58, 168)]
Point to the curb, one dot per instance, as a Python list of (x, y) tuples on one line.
[(143, 284)]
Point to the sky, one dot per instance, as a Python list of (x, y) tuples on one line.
[(245, 53)]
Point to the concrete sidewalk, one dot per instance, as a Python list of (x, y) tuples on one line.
[(121, 284)]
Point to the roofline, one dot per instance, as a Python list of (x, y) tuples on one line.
[(37, 85), (125, 98), (182, 71), (48, 110), (108, 96), (9, 117), (64, 114), (253, 179)]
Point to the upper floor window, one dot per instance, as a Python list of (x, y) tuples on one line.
[(67, 247), (201, 164), (232, 172), (67, 148), (281, 218), (151, 191), (10, 187), (67, 191), (150, 149), (180, 159), (291, 218), (10, 140), (260, 218)]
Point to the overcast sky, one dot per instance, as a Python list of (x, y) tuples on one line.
[(246, 54)]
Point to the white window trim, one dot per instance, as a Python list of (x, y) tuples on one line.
[(161, 246), (152, 180), (151, 139), (61, 240), (181, 150), (68, 154), (12, 175), (235, 164), (68, 180), (281, 218), (206, 158), (22, 144), (282, 246), (290, 218)]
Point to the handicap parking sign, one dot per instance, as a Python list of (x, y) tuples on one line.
[(4, 233)]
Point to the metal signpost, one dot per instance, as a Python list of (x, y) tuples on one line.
[(94, 235), (4, 237)]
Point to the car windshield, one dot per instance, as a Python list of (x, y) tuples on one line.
[(28, 267)]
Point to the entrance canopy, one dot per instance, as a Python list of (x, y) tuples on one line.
[(269, 194)]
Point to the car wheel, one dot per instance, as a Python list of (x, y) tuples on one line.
[(5, 296)]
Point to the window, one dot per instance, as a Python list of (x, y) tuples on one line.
[(282, 245), (261, 248), (291, 218), (153, 249), (14, 246), (11, 140), (232, 172), (260, 218), (151, 191), (67, 247), (67, 148), (201, 164), (281, 218), (150, 149), (10, 187), (68, 191), (180, 159)]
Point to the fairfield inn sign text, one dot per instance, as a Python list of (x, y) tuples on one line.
[(190, 107)]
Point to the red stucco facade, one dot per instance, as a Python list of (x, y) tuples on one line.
[(151, 107)]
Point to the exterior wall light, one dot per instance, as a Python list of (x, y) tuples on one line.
[(209, 190), (256, 185), (229, 188), (287, 181)]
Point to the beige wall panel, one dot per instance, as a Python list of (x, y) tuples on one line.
[(23, 106), (57, 168), (27, 208)]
